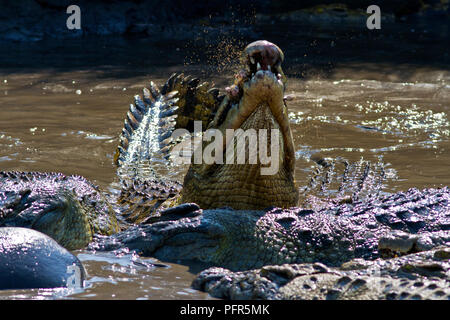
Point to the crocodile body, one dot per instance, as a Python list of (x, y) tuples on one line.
[(240, 240), (345, 251), (69, 209), (255, 101)]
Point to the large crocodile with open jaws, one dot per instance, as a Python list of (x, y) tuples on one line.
[(254, 102), (231, 215)]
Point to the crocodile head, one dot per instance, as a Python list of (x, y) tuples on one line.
[(255, 109), (69, 209), (59, 214)]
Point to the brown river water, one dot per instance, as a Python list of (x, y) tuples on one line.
[(62, 106)]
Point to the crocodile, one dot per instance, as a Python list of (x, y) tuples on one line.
[(392, 247), (416, 276), (70, 209), (255, 101), (405, 222)]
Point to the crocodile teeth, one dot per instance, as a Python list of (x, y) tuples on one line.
[(252, 60), (258, 66), (268, 67)]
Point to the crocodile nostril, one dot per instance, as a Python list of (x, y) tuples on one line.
[(259, 75), (264, 53), (286, 222)]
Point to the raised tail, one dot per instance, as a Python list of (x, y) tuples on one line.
[(198, 101), (142, 155), (152, 118), (148, 126)]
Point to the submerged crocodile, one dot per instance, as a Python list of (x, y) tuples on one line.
[(69, 209), (406, 222), (341, 252), (223, 215), (416, 276)]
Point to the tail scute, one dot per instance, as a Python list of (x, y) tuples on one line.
[(150, 117), (153, 116), (197, 101)]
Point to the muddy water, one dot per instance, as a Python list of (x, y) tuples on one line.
[(62, 107)]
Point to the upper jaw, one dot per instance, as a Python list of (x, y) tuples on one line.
[(263, 55), (261, 61)]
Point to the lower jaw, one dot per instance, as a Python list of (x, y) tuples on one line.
[(245, 194), (242, 186)]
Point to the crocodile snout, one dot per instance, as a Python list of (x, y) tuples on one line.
[(263, 55)]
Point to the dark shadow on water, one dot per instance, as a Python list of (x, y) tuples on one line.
[(309, 49)]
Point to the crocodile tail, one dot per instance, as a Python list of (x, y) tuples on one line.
[(198, 101), (148, 126), (146, 141), (152, 118), (339, 180)]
